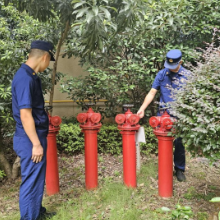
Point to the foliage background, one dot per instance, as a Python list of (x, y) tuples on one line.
[(123, 68)]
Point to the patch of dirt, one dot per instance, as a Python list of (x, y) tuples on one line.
[(202, 184)]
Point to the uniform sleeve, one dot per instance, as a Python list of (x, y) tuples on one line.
[(156, 83), (24, 89)]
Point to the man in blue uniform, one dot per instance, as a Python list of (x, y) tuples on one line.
[(170, 77), (30, 138)]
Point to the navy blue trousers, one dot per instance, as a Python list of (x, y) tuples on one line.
[(179, 154), (33, 177)]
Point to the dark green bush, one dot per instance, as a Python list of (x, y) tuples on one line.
[(71, 140), (109, 139), (67, 120), (151, 141)]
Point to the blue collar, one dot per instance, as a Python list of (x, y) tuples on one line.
[(29, 70)]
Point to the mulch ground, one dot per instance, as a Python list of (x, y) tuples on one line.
[(202, 183)]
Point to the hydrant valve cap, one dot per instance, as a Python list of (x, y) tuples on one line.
[(167, 123), (120, 119), (55, 120), (133, 119), (81, 117), (154, 121), (96, 117)]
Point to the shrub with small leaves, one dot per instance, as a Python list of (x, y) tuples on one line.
[(197, 105), (71, 140), (151, 145)]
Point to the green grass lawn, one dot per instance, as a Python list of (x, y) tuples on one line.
[(114, 201)]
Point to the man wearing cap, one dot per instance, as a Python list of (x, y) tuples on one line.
[(166, 78), (30, 138)]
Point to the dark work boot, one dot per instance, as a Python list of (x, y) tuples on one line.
[(46, 215), (180, 175)]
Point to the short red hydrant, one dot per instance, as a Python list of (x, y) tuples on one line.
[(162, 129), (52, 173), (128, 125), (90, 124)]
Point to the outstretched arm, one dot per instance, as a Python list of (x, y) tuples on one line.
[(148, 99)]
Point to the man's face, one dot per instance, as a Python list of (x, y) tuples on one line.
[(177, 69)]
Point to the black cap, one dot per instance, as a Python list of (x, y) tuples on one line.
[(173, 58), (43, 45)]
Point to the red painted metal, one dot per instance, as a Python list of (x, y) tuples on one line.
[(128, 125), (90, 124), (162, 127), (52, 173)]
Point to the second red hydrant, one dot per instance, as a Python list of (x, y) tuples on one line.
[(52, 173), (162, 127), (90, 124), (128, 125)]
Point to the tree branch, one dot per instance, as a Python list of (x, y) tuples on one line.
[(60, 43)]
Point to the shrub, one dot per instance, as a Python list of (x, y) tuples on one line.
[(71, 140), (109, 139), (197, 105), (151, 145)]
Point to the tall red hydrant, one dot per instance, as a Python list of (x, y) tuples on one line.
[(128, 125), (90, 124), (162, 129), (52, 173)]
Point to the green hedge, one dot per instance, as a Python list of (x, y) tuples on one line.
[(71, 140)]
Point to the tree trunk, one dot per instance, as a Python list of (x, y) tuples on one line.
[(15, 168), (60, 43), (3, 160)]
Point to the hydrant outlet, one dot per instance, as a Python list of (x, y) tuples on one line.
[(154, 121), (133, 119), (96, 117), (167, 123), (56, 121), (82, 117), (120, 119)]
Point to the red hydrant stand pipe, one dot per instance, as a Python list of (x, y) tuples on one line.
[(128, 125), (165, 166), (129, 158), (90, 127), (162, 126), (52, 174), (91, 159)]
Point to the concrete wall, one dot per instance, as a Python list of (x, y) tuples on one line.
[(63, 106)]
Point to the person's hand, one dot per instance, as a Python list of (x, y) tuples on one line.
[(37, 153), (140, 113)]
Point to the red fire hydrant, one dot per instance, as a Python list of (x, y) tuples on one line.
[(162, 127), (52, 173), (90, 124), (128, 125)]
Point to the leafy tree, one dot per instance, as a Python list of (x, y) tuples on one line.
[(123, 69), (94, 19), (17, 32), (197, 104)]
